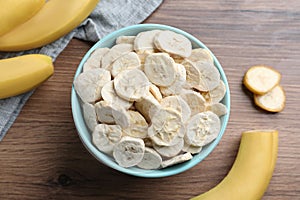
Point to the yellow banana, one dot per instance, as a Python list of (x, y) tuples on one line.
[(55, 19), (252, 170), (16, 12), (23, 73)]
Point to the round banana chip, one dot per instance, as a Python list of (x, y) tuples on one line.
[(129, 151), (217, 108), (94, 61), (154, 90), (125, 39), (195, 101), (202, 55), (191, 148), (138, 126), (169, 151), (89, 115), (143, 42), (192, 74), (147, 106), (176, 160), (151, 159), (261, 79), (106, 136), (272, 101), (126, 61), (215, 95)]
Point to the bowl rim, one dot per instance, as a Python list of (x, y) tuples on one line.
[(78, 118)]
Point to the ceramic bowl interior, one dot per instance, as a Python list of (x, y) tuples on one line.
[(85, 135)]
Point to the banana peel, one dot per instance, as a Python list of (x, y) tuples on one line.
[(16, 12), (252, 170), (23, 73), (55, 19)]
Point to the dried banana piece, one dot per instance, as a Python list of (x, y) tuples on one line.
[(89, 115), (195, 101), (105, 137), (261, 79), (138, 126), (154, 90), (191, 148), (147, 106), (215, 95), (151, 159), (129, 151), (109, 94), (202, 55), (112, 114), (272, 101), (166, 127), (176, 160), (173, 43), (125, 39), (131, 85), (192, 74), (88, 84), (217, 108), (143, 42), (169, 151), (126, 61), (94, 61), (202, 129), (160, 69)]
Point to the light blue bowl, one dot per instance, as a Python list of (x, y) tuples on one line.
[(85, 135)]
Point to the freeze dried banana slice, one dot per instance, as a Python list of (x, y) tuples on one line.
[(202, 128), (177, 103), (115, 52), (88, 84), (202, 55), (178, 84), (261, 79), (195, 101), (109, 94), (147, 106), (138, 126), (191, 148), (209, 76), (89, 115), (166, 127), (217, 108), (129, 151), (106, 136), (125, 39), (94, 61), (215, 95), (173, 43), (160, 69), (169, 151), (154, 90), (143, 42), (126, 61), (176, 160), (272, 101), (192, 74), (151, 159), (112, 114), (131, 85)]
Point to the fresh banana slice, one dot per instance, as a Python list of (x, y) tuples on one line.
[(177, 103), (89, 115), (191, 148), (272, 101), (126, 61), (125, 39), (166, 127), (178, 84), (173, 43), (160, 69), (88, 84), (192, 74), (138, 126), (151, 159), (154, 90), (195, 101), (215, 95), (176, 160), (217, 108), (261, 79), (131, 85), (209, 76), (112, 114), (147, 106), (169, 151), (115, 52), (109, 94), (106, 136), (202, 128), (202, 55), (94, 61), (129, 151), (143, 42)]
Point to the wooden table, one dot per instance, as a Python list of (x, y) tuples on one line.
[(42, 157)]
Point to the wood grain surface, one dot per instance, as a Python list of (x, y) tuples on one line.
[(42, 157)]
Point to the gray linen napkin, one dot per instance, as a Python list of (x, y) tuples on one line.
[(108, 16)]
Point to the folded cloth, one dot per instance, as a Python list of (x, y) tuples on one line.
[(108, 16)]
